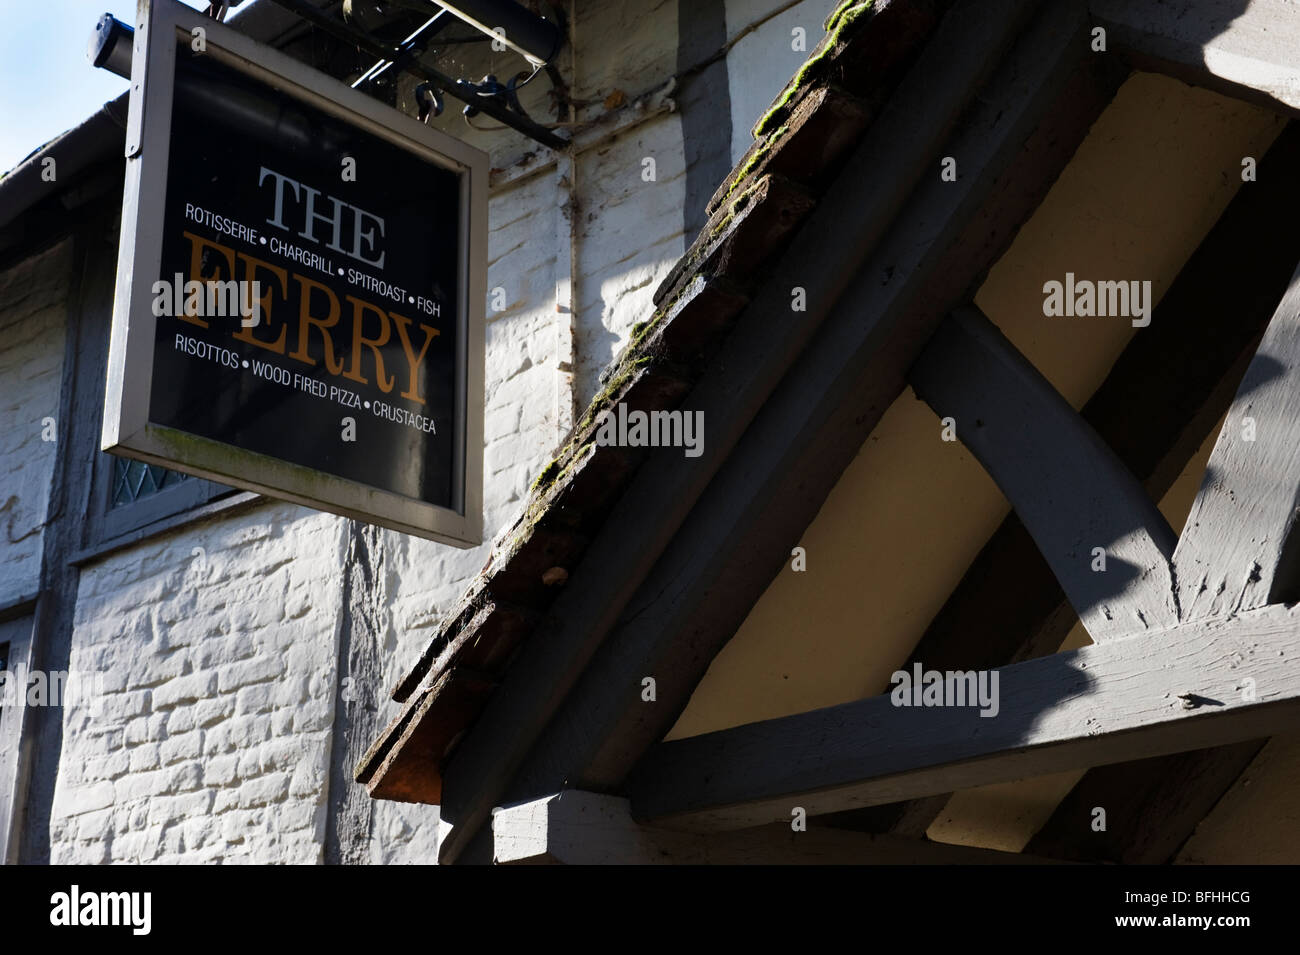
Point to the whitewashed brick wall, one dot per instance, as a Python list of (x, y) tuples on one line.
[(212, 739), (33, 319)]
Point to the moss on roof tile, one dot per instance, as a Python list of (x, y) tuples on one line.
[(844, 16)]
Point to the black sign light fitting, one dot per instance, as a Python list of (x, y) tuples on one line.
[(110, 48), (537, 39)]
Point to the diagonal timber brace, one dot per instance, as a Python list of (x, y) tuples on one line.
[(1100, 532)]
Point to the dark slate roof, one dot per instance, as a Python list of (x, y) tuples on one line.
[(800, 144)]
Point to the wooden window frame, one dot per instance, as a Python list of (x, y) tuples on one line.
[(107, 524), (16, 626)]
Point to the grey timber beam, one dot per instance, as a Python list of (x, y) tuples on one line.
[(582, 828), (1249, 49), (1199, 684), (1237, 552), (1077, 499), (1238, 548), (1152, 806), (1183, 370)]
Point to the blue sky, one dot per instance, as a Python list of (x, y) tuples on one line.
[(46, 83)]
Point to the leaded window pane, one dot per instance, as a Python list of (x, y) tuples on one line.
[(133, 480)]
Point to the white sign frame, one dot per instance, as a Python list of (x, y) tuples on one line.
[(159, 26)]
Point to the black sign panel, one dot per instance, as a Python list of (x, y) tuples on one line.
[(301, 279), (352, 241)]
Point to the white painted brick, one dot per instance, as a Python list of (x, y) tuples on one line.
[(186, 746), (108, 766), (191, 804), (200, 830), (249, 765), (218, 739), (32, 322), (184, 778), (141, 784), (184, 689), (89, 798), (259, 669), (143, 757), (94, 826), (145, 671), (247, 733), (180, 720), (225, 801), (220, 770), (254, 699), (264, 790)]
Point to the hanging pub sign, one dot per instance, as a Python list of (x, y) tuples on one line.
[(300, 286)]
